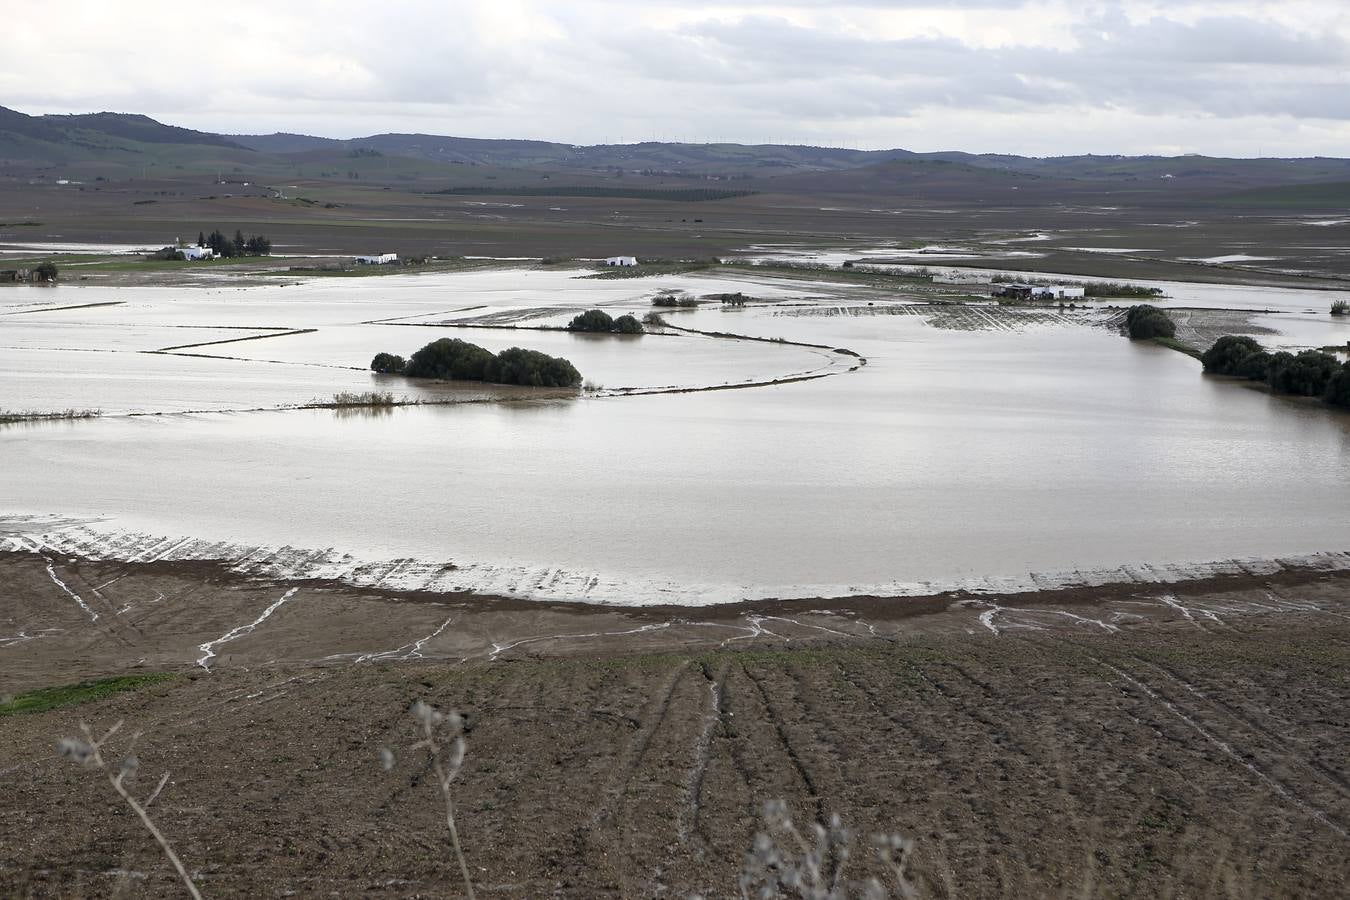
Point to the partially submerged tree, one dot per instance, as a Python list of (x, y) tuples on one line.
[(388, 364), (627, 325), (1338, 387), (1143, 322), (1253, 366), (450, 359), (1227, 353), (1306, 374), (592, 320), (532, 368)]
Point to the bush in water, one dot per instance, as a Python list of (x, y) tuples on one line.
[(530, 367), (1143, 322), (451, 359), (627, 325), (1253, 366), (1338, 387), (388, 364), (1228, 351), (1306, 374), (592, 320)]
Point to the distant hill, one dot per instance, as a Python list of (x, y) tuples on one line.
[(112, 143), (139, 128), (695, 160)]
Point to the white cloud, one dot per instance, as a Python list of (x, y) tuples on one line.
[(1030, 76)]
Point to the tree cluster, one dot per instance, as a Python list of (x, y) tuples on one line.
[(1311, 373), (256, 245), (452, 359), (682, 301), (45, 271), (599, 321), (1143, 322)]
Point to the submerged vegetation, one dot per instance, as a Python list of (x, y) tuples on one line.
[(363, 398), (388, 364), (1341, 308), (674, 300), (1311, 373), (600, 322), (451, 359), (1144, 322)]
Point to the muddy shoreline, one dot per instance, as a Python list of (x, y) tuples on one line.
[(1129, 740), (67, 616)]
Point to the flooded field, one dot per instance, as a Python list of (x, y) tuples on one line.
[(977, 447)]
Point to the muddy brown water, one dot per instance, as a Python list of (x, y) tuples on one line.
[(1009, 454)]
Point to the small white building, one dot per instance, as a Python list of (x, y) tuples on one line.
[(621, 261), (197, 252), (379, 259)]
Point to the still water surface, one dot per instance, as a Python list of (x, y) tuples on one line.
[(951, 455)]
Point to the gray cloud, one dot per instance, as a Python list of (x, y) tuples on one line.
[(1029, 73)]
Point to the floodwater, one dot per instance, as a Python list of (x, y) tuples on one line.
[(953, 457)]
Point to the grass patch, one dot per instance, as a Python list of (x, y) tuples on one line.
[(1320, 195), (45, 699)]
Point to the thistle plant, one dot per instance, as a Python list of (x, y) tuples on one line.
[(88, 753), (784, 863), (443, 740)]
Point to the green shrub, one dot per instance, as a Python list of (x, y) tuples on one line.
[(530, 367), (455, 360), (627, 325), (592, 320), (388, 364), (1338, 387), (1306, 375), (451, 359), (1143, 322), (1227, 353), (1253, 366)]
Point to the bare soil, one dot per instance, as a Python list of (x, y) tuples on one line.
[(1125, 741)]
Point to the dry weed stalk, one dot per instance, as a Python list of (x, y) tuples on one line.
[(783, 863), (437, 728), (89, 754)]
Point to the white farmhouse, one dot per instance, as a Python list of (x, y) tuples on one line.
[(378, 259), (196, 252), (621, 261)]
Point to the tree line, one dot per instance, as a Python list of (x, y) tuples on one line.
[(1310, 373), (256, 245)]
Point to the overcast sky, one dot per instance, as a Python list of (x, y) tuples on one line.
[(1040, 77)]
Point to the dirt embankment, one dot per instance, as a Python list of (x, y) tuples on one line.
[(1137, 740)]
